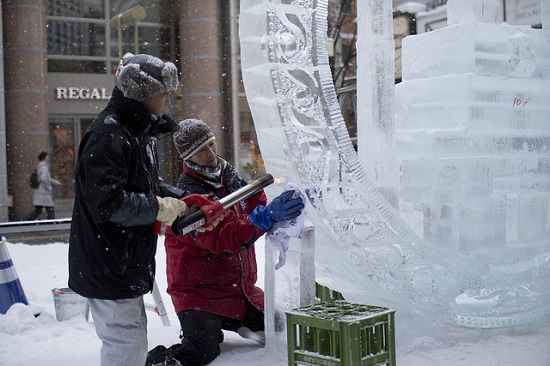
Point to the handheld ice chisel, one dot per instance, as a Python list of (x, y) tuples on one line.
[(208, 210)]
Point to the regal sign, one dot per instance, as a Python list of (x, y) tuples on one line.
[(76, 93)]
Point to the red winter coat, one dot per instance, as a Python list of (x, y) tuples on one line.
[(215, 271)]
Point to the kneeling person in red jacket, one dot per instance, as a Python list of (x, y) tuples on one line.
[(212, 274)]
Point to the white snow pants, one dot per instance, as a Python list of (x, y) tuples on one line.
[(121, 325)]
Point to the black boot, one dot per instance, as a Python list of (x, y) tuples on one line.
[(157, 356), (170, 358)]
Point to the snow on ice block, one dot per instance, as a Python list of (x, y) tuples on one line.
[(338, 333), (480, 48)]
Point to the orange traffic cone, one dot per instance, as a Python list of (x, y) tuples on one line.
[(11, 290)]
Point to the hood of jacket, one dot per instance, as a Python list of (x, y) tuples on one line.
[(131, 113)]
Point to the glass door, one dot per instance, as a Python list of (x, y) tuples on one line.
[(65, 135)]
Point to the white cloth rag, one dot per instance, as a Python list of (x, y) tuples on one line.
[(281, 232)]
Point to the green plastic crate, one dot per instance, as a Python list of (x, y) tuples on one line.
[(338, 333), (323, 293)]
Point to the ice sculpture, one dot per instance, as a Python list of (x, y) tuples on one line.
[(375, 96), (469, 242)]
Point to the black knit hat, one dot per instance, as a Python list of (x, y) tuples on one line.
[(191, 136), (144, 76)]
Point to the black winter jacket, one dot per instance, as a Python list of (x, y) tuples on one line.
[(112, 244)]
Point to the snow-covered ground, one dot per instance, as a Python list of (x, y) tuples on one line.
[(28, 340)]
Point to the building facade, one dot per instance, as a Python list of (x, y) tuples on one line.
[(59, 59)]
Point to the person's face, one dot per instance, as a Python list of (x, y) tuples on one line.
[(207, 156), (157, 104)]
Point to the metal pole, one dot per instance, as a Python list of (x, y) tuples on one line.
[(4, 198), (160, 305), (119, 25), (136, 39)]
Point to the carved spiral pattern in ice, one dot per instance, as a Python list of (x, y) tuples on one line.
[(303, 137)]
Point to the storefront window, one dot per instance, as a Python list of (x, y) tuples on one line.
[(75, 38), (156, 10), (62, 159), (251, 163), (77, 8), (83, 38), (65, 134), (153, 39), (77, 66)]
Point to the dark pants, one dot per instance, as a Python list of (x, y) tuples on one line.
[(202, 333), (38, 210)]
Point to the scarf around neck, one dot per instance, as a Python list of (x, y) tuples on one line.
[(222, 175)]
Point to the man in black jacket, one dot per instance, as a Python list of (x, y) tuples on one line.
[(118, 198)]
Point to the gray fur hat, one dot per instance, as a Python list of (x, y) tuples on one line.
[(191, 136), (144, 76)]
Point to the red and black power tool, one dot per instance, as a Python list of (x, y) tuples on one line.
[(209, 210)]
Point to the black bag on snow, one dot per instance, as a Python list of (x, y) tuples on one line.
[(34, 179)]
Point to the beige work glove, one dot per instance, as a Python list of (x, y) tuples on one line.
[(170, 208), (212, 225)]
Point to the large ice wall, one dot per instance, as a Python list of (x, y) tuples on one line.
[(469, 242), (473, 142)]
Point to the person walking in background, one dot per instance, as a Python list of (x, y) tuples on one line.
[(118, 197), (42, 196), (212, 273)]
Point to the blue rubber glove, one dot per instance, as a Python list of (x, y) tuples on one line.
[(283, 207)]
